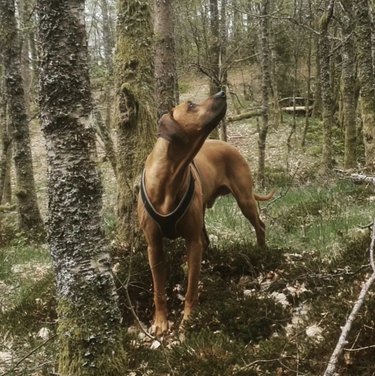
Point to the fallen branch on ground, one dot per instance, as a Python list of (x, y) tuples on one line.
[(331, 368), (357, 178), (245, 115), (363, 178)]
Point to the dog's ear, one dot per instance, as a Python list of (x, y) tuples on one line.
[(171, 130)]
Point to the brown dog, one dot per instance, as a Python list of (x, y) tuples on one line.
[(183, 176)]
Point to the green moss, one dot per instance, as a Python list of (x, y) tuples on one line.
[(209, 354), (90, 342)]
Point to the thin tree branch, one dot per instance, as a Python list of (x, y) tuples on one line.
[(331, 367), (28, 355)]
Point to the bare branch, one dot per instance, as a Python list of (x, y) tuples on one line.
[(331, 368)]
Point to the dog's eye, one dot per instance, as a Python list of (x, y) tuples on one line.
[(191, 105)]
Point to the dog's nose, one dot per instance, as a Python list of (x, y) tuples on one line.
[(220, 94)]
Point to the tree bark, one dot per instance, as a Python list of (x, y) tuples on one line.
[(135, 106), (348, 85), (214, 57), (89, 320), (108, 42), (5, 157), (165, 57), (366, 78), (223, 73), (5, 145), (266, 84), (29, 218), (308, 81), (103, 128), (324, 50)]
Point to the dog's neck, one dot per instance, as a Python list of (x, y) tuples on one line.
[(167, 174)]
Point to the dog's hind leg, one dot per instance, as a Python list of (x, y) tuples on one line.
[(249, 209)]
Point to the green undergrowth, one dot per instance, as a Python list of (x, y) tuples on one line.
[(272, 312), (280, 318), (315, 217)]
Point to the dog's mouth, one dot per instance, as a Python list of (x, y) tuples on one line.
[(219, 106)]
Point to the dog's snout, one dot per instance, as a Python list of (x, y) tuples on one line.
[(220, 94)]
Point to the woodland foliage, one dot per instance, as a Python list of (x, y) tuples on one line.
[(299, 76)]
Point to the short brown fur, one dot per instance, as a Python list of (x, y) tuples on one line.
[(219, 169)]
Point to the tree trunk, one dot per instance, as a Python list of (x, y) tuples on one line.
[(5, 144), (366, 78), (165, 58), (223, 74), (308, 83), (103, 128), (89, 324), (317, 106), (135, 106), (324, 51), (108, 43), (214, 54), (348, 86), (30, 220), (266, 83)]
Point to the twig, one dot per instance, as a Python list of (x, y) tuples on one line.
[(28, 355), (140, 324), (330, 370), (125, 287), (284, 192), (360, 348), (259, 361)]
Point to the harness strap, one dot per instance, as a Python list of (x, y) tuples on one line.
[(168, 222)]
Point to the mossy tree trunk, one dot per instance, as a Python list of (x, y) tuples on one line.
[(89, 320), (30, 220), (348, 85), (364, 32), (324, 51), (135, 106), (5, 145), (165, 57), (266, 84)]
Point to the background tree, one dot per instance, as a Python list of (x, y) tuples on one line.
[(266, 84), (364, 32), (6, 149), (165, 56), (30, 220), (325, 55), (349, 85), (135, 105), (89, 326)]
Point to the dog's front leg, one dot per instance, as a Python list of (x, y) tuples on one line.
[(158, 269), (194, 250)]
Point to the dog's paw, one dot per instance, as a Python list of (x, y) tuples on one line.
[(160, 327)]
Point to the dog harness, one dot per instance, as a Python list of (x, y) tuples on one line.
[(168, 222)]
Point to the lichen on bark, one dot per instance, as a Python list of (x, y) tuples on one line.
[(90, 332)]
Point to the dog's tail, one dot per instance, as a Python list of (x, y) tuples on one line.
[(266, 197)]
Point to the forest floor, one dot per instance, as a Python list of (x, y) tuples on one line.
[(276, 312)]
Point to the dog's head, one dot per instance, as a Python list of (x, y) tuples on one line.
[(189, 122)]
